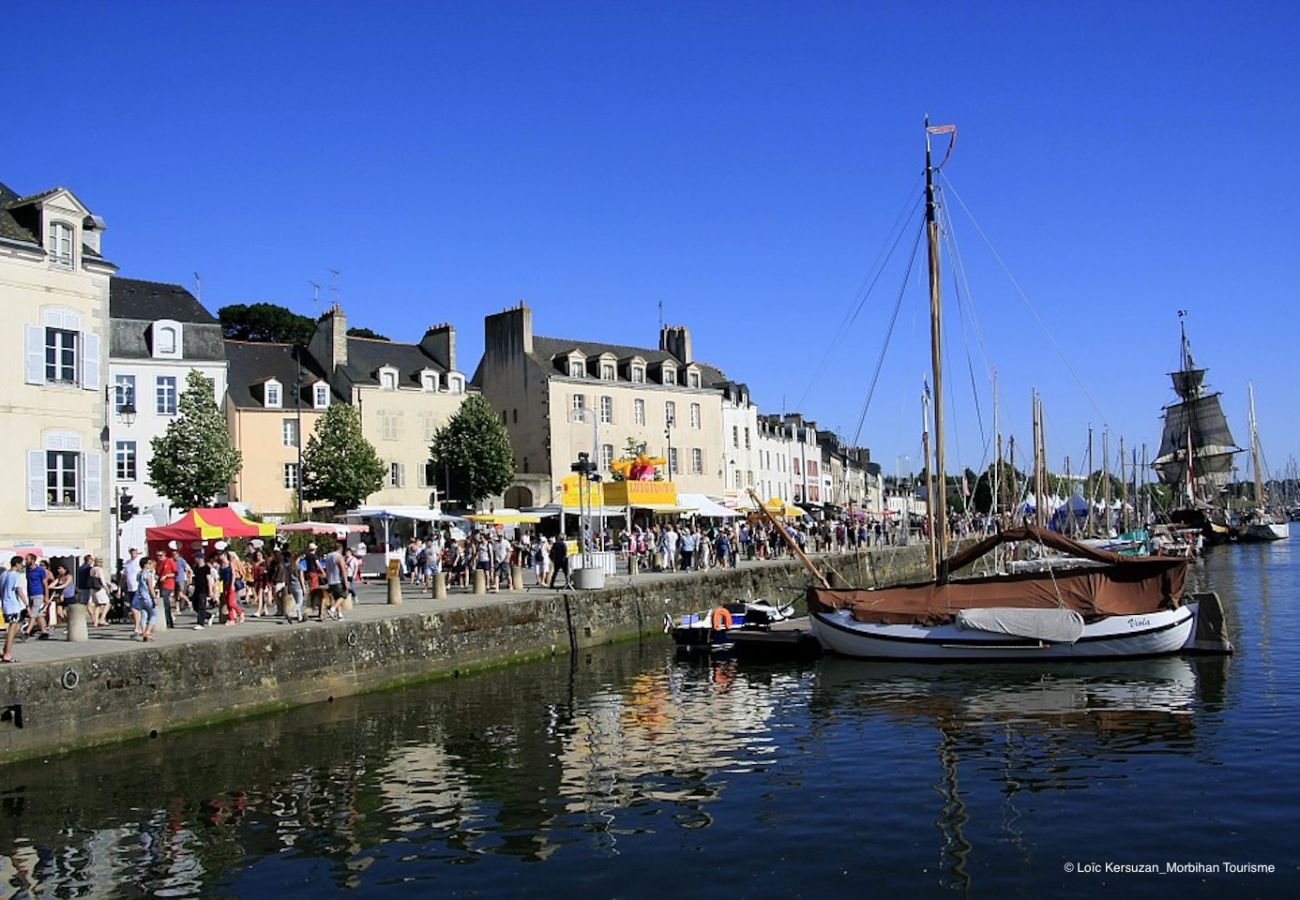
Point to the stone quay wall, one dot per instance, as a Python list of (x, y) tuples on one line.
[(138, 692)]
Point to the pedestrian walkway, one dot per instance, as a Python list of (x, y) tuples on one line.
[(371, 605)]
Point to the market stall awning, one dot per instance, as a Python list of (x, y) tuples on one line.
[(703, 505), (319, 527), (209, 524), (510, 517), (418, 513)]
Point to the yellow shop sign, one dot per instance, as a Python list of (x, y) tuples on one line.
[(641, 493)]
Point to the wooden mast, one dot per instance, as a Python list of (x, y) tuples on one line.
[(1105, 474), (936, 351), (1254, 450), (929, 483), (1123, 487)]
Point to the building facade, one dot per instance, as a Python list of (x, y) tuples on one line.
[(560, 397), (54, 283), (774, 457), (740, 445), (158, 333)]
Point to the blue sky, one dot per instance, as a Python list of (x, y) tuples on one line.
[(742, 163)]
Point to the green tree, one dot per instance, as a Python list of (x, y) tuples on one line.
[(265, 323), (193, 460), (474, 449), (366, 333), (338, 464)]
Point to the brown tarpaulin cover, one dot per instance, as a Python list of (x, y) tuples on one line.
[(1124, 586)]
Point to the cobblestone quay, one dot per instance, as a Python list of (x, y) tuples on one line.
[(60, 696)]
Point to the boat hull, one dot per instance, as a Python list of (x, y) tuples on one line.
[(1263, 532), (1148, 634)]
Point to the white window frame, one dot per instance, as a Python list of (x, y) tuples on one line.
[(693, 378), (606, 410), (62, 246), (670, 412), (669, 375), (576, 368), (697, 461), (159, 387), (56, 474), (696, 415), (289, 432), (579, 401), (638, 374), (125, 461), (161, 330), (320, 395), (123, 392), (58, 342), (396, 475), (388, 379), (429, 381), (272, 394), (672, 461), (456, 384), (638, 411), (608, 371), (290, 475), (606, 457)]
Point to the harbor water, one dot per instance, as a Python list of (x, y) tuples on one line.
[(627, 772)]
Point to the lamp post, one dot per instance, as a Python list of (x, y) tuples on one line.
[(297, 402)]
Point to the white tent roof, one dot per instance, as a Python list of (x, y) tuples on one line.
[(702, 505), (419, 513)]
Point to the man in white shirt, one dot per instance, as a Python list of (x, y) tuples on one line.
[(131, 584)]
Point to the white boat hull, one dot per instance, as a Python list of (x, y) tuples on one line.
[(1258, 532), (1150, 634)]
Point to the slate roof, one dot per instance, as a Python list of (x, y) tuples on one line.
[(252, 363), (545, 350), (367, 355), (10, 227), (131, 298)]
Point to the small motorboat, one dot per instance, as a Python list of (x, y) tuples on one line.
[(711, 629)]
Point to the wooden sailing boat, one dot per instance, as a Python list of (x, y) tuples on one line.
[(1196, 448), (1260, 525), (1100, 604)]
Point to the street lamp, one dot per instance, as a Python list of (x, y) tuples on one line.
[(297, 402)]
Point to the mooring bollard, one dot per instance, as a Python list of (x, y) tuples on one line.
[(480, 581), (440, 586), (516, 578), (159, 626), (78, 622), (633, 565), (394, 591)]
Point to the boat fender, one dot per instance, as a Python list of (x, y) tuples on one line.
[(721, 619), (668, 623)]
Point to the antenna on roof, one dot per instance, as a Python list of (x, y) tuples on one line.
[(661, 316), (315, 291), (334, 285), (198, 287)]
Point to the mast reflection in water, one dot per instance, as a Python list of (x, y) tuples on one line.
[(625, 772)]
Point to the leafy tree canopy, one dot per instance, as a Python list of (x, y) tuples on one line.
[(473, 448), (193, 460), (338, 464), (366, 333), (265, 323)]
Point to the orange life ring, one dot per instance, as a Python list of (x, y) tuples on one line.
[(721, 619)]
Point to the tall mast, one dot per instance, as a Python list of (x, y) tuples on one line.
[(1105, 474), (997, 436), (936, 350), (929, 482), (1123, 487), (1092, 485), (1254, 450)]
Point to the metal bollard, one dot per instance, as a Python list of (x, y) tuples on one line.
[(480, 581), (78, 621), (440, 586), (516, 578)]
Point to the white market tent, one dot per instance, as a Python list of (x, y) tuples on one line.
[(703, 505)]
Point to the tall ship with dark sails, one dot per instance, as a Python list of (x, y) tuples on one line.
[(1196, 449)]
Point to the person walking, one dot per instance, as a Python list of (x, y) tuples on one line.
[(202, 595), (336, 582), (294, 581), (560, 561), (165, 572), (99, 599), (13, 599), (146, 599), (38, 578)]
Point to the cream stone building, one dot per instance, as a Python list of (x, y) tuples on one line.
[(559, 397), (54, 285), (404, 393)]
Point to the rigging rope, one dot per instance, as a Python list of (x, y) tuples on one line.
[(1025, 298), (893, 319)]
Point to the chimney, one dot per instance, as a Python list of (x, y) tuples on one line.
[(329, 343), (508, 335), (440, 343), (676, 339), (92, 228)]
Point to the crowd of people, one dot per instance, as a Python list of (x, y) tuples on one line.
[(221, 586)]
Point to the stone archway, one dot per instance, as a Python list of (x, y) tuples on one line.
[(518, 497)]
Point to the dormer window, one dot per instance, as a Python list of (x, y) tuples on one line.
[(575, 368), (429, 381), (693, 378), (60, 246), (166, 339), (320, 395), (271, 394), (607, 371), (388, 378), (638, 374), (669, 375), (455, 383)]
